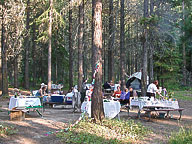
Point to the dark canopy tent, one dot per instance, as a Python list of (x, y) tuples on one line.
[(134, 81)]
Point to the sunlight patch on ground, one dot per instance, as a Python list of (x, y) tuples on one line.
[(24, 140), (48, 123)]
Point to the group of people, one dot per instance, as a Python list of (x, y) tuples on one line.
[(125, 95)]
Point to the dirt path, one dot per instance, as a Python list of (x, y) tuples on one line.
[(163, 128), (36, 130)]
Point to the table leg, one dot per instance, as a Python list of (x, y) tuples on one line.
[(180, 112), (39, 112), (139, 114), (167, 114), (128, 108), (149, 114)]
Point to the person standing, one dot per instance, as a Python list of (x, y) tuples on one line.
[(152, 89)]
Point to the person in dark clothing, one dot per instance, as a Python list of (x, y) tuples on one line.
[(106, 85), (83, 90)]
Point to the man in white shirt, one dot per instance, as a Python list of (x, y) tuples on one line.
[(152, 89)]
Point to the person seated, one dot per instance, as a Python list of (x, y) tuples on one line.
[(117, 93), (42, 93), (153, 89), (118, 84), (112, 85), (106, 85), (122, 97), (127, 97)]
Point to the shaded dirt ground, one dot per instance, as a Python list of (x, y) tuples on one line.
[(34, 129)]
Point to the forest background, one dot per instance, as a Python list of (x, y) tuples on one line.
[(43, 42)]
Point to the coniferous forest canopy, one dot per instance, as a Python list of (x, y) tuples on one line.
[(153, 36)]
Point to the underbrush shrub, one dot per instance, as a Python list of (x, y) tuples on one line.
[(109, 131), (182, 137), (7, 130)]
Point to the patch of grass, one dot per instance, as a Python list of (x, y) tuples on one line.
[(6, 130), (5, 96), (183, 95), (109, 131), (182, 137)]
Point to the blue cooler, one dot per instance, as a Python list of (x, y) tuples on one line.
[(57, 98)]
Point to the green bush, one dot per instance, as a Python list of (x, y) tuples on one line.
[(6, 130), (182, 137), (109, 131)]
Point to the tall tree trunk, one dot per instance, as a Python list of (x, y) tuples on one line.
[(111, 43), (191, 69), (97, 111), (27, 48), (34, 54), (1, 25), (151, 47), (184, 47), (93, 50), (104, 54), (49, 49), (122, 46), (151, 76), (16, 72), (80, 46), (56, 71), (4, 59), (70, 48), (144, 62), (85, 59)]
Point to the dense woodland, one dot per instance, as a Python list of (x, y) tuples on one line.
[(57, 41)]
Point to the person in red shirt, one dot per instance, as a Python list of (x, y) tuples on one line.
[(117, 93)]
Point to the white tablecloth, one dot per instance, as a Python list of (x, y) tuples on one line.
[(111, 109), (23, 102), (144, 102)]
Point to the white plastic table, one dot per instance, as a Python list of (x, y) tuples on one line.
[(111, 109), (23, 102)]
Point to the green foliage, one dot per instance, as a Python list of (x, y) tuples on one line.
[(149, 20), (7, 130), (109, 131), (168, 61), (182, 137), (183, 95)]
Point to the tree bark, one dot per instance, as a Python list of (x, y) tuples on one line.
[(93, 50), (151, 79), (34, 54), (184, 49), (111, 43), (49, 49), (85, 47), (1, 54), (104, 55), (97, 112), (80, 46), (122, 46), (145, 49), (4, 59), (27, 47), (16, 72), (70, 48)]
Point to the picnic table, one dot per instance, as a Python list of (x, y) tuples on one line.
[(156, 105), (24, 104)]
